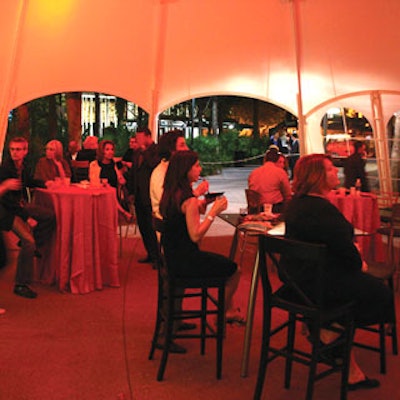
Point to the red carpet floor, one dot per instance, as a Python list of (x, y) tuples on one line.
[(95, 346)]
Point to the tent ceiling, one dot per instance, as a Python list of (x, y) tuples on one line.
[(157, 53)]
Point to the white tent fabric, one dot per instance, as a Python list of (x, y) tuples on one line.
[(302, 55)]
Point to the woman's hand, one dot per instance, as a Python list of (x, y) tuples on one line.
[(121, 180), (201, 189), (60, 168), (58, 163), (31, 222), (11, 184), (364, 266), (220, 204)]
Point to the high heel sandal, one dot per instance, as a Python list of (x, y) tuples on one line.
[(235, 318)]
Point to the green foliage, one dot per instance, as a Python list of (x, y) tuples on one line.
[(216, 152), (39, 133)]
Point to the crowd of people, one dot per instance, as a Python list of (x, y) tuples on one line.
[(162, 180), (33, 224)]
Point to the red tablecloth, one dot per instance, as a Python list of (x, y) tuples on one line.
[(83, 254), (363, 213)]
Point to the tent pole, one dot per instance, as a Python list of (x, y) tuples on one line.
[(159, 62), (10, 75), (382, 148), (298, 52), (153, 117)]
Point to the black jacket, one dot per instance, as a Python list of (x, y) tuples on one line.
[(140, 173), (14, 199)]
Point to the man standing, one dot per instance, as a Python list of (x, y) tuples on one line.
[(128, 156), (33, 218), (354, 167), (73, 149), (294, 152), (169, 143), (145, 159)]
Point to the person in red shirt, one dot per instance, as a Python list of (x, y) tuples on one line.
[(271, 182)]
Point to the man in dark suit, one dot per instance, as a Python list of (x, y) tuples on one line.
[(294, 152), (145, 159)]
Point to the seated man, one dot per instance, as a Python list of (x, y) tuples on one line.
[(272, 182), (7, 220), (31, 217)]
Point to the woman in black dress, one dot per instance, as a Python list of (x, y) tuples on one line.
[(311, 217), (184, 229), (106, 168)]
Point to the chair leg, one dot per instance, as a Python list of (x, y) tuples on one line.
[(168, 332), (393, 334), (159, 319), (346, 357), (220, 329), (291, 333), (313, 363), (262, 369), (127, 230), (242, 248), (393, 326), (382, 348), (203, 323), (120, 239)]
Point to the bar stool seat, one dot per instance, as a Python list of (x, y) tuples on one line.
[(210, 308)]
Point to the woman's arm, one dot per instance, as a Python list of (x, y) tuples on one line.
[(331, 228), (44, 171), (67, 169), (197, 229), (10, 184), (120, 177)]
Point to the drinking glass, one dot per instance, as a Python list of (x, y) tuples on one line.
[(243, 211)]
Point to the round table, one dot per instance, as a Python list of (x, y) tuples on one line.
[(362, 211), (83, 254)]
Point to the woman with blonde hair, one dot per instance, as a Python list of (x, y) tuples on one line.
[(52, 165), (311, 217)]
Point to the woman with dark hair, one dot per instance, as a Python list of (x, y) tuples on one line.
[(184, 230), (106, 168), (311, 217)]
